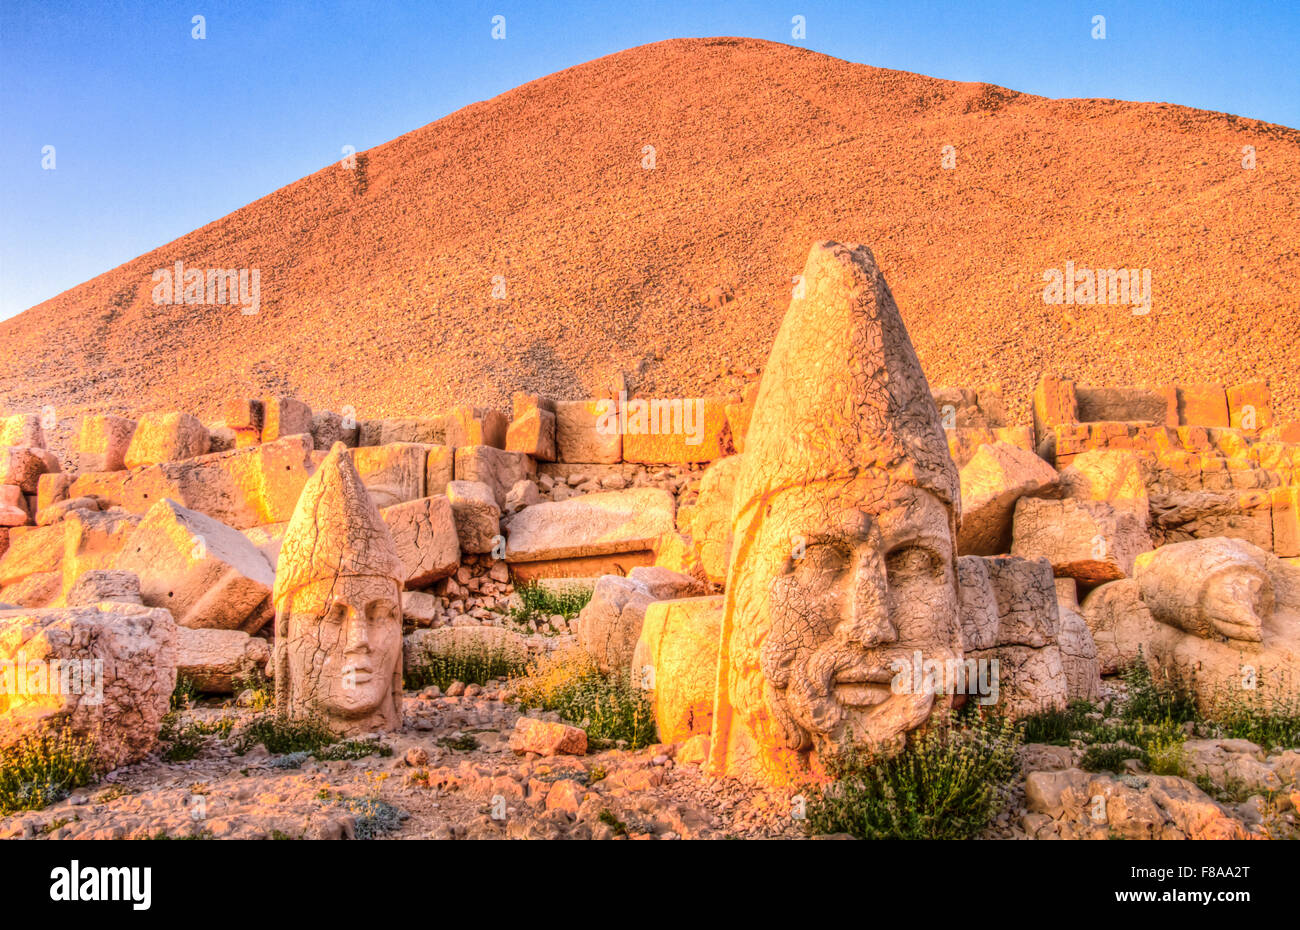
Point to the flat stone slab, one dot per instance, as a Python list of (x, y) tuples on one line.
[(605, 523)]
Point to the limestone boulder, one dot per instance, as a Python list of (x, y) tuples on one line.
[(1214, 588), (1091, 541), (166, 437), (476, 426), (23, 466), (102, 443), (101, 584), (32, 549), (523, 494), (92, 541), (13, 506), (52, 488), (206, 573), (115, 666), (1116, 476), (547, 739), (676, 659), (498, 469), (583, 431), (56, 513), (998, 475), (476, 515), (439, 469), (602, 523), (610, 625), (710, 527), (533, 434), (212, 659), (22, 429), (284, 416), (424, 532), (392, 473)]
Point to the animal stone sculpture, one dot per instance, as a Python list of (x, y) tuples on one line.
[(338, 620)]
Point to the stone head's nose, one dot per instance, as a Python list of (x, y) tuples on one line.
[(867, 622)]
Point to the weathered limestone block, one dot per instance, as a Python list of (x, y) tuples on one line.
[(1285, 505), (1055, 403), (267, 539), (424, 533), (51, 488), (22, 429), (476, 515), (995, 478), (847, 465), (120, 665), (498, 469), (675, 431), (103, 584), (1078, 656), (476, 426), (424, 430), (39, 589), (547, 739), (439, 469), (24, 465), (1155, 405), (710, 526), (166, 437), (1202, 405), (602, 523), (449, 641), (55, 513), (32, 549), (392, 473), (1091, 541), (13, 506), (587, 431), (739, 412), (92, 541), (206, 573), (102, 443), (284, 416), (338, 608), (1115, 476), (965, 441), (328, 427), (1244, 515), (1250, 406), (610, 624), (213, 659), (533, 433), (1214, 588), (521, 402), (676, 658)]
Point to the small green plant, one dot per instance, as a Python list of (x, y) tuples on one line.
[(1268, 715), (282, 735), (1111, 757), (943, 785), (1166, 755), (609, 707), (352, 749), (473, 666), (42, 769), (1057, 726), (185, 693), (253, 679), (464, 743), (1159, 698), (539, 603), (606, 816), (184, 737)]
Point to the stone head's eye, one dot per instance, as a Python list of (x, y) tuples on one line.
[(823, 560), (336, 613), (383, 610), (910, 562)]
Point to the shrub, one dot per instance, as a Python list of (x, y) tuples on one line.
[(184, 737), (538, 603), (943, 785), (609, 707), (469, 665), (185, 693), (42, 769), (1110, 757), (1159, 698), (253, 679), (352, 749), (1166, 755), (282, 735), (1268, 715), (1058, 726)]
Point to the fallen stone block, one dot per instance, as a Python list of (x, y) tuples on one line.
[(13, 506), (424, 532), (476, 515), (423, 430), (675, 431), (328, 427), (965, 441), (476, 426), (439, 470), (56, 513), (213, 659), (92, 541), (1115, 476), (533, 434), (102, 443), (1202, 405), (99, 585), (676, 658), (166, 437), (115, 669), (587, 431), (1090, 541), (1250, 406), (32, 549), (284, 416), (603, 523), (991, 482), (609, 626), (206, 573), (392, 473), (51, 488), (547, 739), (39, 589), (22, 429), (24, 465), (498, 469)]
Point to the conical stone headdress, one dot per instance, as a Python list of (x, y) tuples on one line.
[(335, 530)]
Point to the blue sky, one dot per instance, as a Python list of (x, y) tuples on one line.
[(156, 133)]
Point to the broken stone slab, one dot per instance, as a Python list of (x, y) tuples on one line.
[(587, 431), (98, 585), (464, 640), (965, 441), (547, 739), (676, 431), (13, 506), (116, 671), (476, 426), (328, 427), (392, 473), (32, 550), (102, 443), (498, 469), (423, 430), (523, 494), (1090, 541), (166, 437), (206, 573), (52, 488), (439, 469), (476, 515), (22, 429), (676, 658), (603, 523), (57, 512), (997, 476), (424, 532), (212, 659), (24, 465), (1116, 476), (533, 434), (92, 541), (592, 566), (284, 416)]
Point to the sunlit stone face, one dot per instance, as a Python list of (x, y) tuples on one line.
[(345, 638), (845, 584)]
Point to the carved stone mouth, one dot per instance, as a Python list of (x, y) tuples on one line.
[(860, 693)]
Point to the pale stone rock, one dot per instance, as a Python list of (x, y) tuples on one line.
[(424, 533), (284, 416), (166, 437), (676, 658), (221, 438), (134, 650), (476, 426), (847, 496), (328, 427), (57, 512), (92, 541), (523, 494), (51, 488), (212, 658), (39, 589), (676, 430), (24, 465), (423, 430), (31, 550), (1078, 656), (267, 539), (1116, 476), (583, 431), (392, 473), (1091, 541), (993, 480), (104, 584), (13, 506), (533, 433), (439, 469), (498, 469), (1231, 762), (338, 620), (603, 523), (547, 739), (102, 443), (420, 607), (476, 514), (22, 429), (206, 573), (609, 626)]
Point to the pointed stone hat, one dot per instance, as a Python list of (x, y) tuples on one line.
[(843, 392), (335, 530)]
